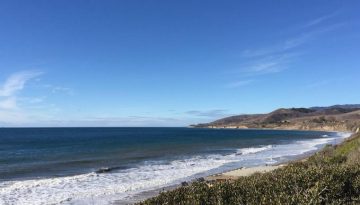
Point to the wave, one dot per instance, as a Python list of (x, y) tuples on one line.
[(94, 187), (110, 184), (110, 169), (344, 135), (253, 150)]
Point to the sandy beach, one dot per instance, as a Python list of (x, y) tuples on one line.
[(228, 175), (242, 172)]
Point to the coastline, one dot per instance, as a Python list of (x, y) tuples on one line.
[(231, 175), (253, 157), (330, 177), (210, 179), (277, 128), (248, 171)]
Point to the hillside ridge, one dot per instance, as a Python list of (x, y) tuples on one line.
[(332, 118)]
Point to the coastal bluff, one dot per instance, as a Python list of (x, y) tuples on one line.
[(333, 118)]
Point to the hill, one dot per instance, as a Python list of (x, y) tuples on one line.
[(337, 117), (331, 176)]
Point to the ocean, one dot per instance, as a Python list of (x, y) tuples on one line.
[(105, 165)]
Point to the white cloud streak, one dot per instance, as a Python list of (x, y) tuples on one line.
[(282, 47), (16, 82), (320, 20), (129, 121), (290, 43), (9, 111), (278, 57), (208, 113), (239, 83), (59, 89), (268, 64)]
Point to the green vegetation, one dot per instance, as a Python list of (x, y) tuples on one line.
[(331, 176)]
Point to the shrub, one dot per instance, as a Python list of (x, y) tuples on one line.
[(331, 176)]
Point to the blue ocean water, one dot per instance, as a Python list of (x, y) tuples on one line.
[(79, 164)]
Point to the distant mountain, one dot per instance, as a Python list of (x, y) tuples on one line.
[(337, 117), (348, 106)]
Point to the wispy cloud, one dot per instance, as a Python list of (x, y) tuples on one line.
[(276, 49), (60, 89), (12, 85), (325, 82), (297, 41), (107, 121), (8, 103), (66, 90), (16, 82), (290, 43), (34, 100), (208, 113), (284, 46), (268, 64), (320, 20), (12, 118), (238, 83), (10, 90), (280, 56), (262, 66)]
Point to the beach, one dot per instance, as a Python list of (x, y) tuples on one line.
[(242, 172), (230, 175), (111, 167), (327, 170)]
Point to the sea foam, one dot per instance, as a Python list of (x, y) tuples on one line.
[(253, 150), (104, 188)]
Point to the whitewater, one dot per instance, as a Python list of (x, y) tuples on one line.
[(107, 187)]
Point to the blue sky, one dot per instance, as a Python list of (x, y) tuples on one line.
[(172, 63)]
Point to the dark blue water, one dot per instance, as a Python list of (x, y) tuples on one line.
[(44, 152), (102, 165)]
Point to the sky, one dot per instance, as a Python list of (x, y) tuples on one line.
[(172, 63)]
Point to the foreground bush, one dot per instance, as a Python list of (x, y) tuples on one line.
[(329, 177)]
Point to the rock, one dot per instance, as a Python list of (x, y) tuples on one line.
[(201, 179), (184, 184), (103, 170)]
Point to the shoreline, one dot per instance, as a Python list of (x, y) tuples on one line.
[(230, 175), (242, 172), (272, 158), (275, 128), (248, 171)]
